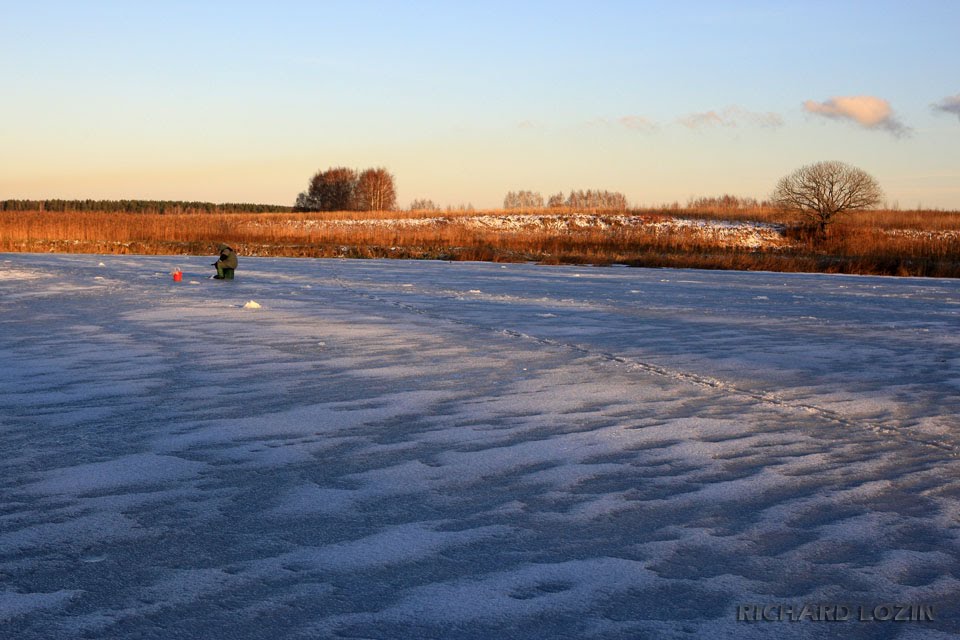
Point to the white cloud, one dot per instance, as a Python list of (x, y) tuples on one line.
[(867, 111), (950, 104), (733, 116)]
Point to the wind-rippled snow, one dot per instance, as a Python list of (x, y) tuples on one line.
[(390, 449)]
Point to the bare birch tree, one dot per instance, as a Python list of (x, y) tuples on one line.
[(523, 200), (375, 191), (596, 200)]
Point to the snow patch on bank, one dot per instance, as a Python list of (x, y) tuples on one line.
[(746, 234)]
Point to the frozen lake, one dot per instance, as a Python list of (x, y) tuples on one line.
[(394, 450)]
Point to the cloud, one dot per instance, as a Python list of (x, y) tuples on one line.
[(634, 123), (637, 123), (527, 124), (733, 116), (950, 104), (705, 119), (867, 111)]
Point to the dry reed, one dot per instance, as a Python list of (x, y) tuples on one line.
[(879, 242)]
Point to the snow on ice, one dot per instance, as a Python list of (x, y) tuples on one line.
[(460, 450)]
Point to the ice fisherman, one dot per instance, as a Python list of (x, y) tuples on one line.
[(226, 264)]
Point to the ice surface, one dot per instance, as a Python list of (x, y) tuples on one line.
[(459, 450)]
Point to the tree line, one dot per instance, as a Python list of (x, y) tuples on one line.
[(817, 193), (725, 203), (580, 199), (344, 189), (424, 204), (137, 206)]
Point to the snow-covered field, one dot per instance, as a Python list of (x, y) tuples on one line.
[(458, 450), (729, 233)]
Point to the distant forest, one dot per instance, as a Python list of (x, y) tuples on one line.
[(138, 206)]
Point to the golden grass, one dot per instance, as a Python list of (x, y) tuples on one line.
[(880, 242), (924, 219)]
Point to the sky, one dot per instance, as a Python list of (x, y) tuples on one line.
[(663, 101)]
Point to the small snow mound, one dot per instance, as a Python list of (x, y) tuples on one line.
[(252, 305), (101, 265)]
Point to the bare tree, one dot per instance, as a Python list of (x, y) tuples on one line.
[(555, 201), (424, 204), (822, 191), (523, 200), (723, 204), (595, 200), (375, 191), (343, 189)]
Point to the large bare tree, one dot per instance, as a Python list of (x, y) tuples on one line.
[(822, 191)]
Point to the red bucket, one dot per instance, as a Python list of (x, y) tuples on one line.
[(177, 276)]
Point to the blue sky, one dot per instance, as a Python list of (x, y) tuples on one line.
[(663, 101)]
